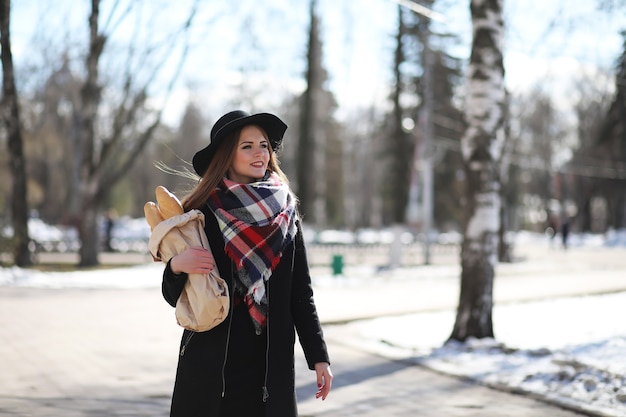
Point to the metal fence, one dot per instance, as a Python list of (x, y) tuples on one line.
[(380, 255)]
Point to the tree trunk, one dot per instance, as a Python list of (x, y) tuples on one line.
[(308, 174), (11, 118), (508, 192), (90, 236), (482, 146), (90, 95), (400, 167)]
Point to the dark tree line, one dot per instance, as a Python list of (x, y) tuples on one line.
[(598, 169)]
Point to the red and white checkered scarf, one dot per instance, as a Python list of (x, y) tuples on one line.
[(258, 221)]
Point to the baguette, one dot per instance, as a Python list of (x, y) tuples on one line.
[(168, 203), (153, 214)]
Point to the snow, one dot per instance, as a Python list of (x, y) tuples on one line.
[(141, 276), (570, 350)]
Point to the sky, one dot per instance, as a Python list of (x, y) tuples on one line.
[(549, 41)]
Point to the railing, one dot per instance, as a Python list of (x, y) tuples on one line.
[(318, 254), (380, 254)]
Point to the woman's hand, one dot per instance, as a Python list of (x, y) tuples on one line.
[(193, 260), (324, 379)]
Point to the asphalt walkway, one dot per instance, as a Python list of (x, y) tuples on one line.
[(113, 352)]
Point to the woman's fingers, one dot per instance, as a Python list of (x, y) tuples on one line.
[(194, 260), (324, 379)]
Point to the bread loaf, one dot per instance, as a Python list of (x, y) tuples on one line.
[(153, 214), (168, 203)]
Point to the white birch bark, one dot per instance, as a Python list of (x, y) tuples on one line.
[(482, 146)]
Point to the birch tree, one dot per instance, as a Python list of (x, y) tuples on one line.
[(482, 147)]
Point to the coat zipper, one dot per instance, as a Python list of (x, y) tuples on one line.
[(187, 340), (266, 393), (230, 322)]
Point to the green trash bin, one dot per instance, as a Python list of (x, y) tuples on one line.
[(337, 264)]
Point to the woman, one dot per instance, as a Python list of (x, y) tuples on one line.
[(245, 365)]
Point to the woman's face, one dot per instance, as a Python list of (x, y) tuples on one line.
[(251, 156)]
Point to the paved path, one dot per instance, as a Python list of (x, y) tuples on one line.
[(112, 352), (97, 353)]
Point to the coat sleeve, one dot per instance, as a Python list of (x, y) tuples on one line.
[(172, 285), (303, 308)]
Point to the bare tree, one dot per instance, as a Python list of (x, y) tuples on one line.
[(539, 136), (11, 119), (108, 153), (482, 146), (598, 166), (612, 139), (589, 167)]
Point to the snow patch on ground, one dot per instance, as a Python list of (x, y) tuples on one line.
[(570, 351)]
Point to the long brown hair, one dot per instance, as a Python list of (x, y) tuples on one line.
[(218, 168)]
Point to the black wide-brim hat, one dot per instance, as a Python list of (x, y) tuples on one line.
[(228, 123)]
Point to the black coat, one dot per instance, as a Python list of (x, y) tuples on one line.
[(200, 378)]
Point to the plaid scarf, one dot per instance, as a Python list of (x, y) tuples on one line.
[(258, 221)]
